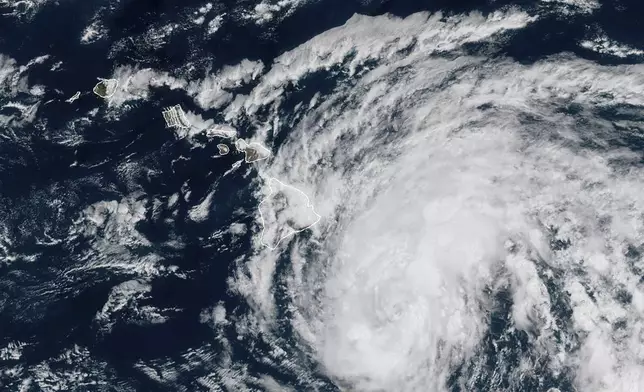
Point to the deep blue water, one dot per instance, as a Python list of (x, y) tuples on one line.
[(52, 310)]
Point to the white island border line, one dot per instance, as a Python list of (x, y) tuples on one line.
[(293, 232)]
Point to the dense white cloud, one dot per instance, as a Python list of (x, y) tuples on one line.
[(350, 44), (574, 6), (457, 196), (123, 304), (213, 92), (200, 212), (19, 101), (13, 351), (23, 9), (267, 11), (604, 45), (94, 32), (110, 226), (13, 78)]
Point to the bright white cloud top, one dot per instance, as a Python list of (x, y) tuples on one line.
[(494, 183)]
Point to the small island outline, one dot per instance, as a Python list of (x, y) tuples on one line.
[(106, 88), (253, 152)]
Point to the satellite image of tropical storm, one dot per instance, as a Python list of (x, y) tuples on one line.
[(321, 195)]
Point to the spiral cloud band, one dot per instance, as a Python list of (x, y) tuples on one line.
[(467, 201)]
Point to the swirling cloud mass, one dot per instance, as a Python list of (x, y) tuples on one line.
[(454, 187)]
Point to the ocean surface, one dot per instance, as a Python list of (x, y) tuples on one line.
[(476, 165)]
